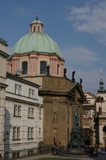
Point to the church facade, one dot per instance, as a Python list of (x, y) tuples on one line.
[(40, 61)]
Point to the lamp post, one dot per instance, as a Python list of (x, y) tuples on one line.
[(96, 127)]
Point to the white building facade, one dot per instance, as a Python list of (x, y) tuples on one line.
[(101, 109), (23, 118), (89, 108), (3, 85)]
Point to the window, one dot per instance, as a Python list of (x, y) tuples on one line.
[(43, 65), (16, 154), (18, 89), (30, 132), (16, 133), (34, 28), (38, 28), (30, 112), (87, 102), (17, 110), (30, 152), (31, 93), (24, 67)]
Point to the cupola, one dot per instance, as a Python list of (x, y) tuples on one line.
[(36, 26)]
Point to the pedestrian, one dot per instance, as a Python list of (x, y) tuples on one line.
[(1, 158), (92, 150), (53, 149)]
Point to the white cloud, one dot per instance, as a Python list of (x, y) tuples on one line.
[(90, 18), (81, 56), (85, 63), (90, 78)]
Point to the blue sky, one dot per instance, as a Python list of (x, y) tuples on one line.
[(77, 26)]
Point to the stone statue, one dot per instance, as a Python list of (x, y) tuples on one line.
[(73, 74), (65, 71), (48, 69), (81, 81)]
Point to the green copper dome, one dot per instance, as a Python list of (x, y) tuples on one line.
[(36, 41)]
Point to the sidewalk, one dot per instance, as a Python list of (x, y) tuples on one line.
[(80, 157)]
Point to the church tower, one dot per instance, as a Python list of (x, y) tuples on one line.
[(101, 85)]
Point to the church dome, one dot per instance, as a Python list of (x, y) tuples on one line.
[(36, 41)]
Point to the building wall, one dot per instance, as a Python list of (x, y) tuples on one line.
[(2, 105), (55, 121), (34, 60), (23, 144), (3, 59), (59, 103), (3, 66), (3, 47), (89, 109), (101, 108)]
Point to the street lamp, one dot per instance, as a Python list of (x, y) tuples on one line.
[(96, 127)]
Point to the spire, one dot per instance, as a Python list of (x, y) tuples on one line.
[(101, 73), (36, 16)]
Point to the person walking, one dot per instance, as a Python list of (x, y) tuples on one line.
[(1, 158)]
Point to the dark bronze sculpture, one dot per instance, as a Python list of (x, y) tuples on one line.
[(81, 81), (48, 70), (65, 71), (73, 74), (75, 118), (76, 143)]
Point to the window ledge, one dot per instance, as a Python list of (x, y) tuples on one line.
[(31, 117), (16, 139), (17, 116), (30, 138)]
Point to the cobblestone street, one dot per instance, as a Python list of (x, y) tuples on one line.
[(51, 156)]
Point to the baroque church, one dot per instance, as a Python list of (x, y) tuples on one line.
[(36, 53), (36, 60)]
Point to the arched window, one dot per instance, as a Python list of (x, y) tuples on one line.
[(34, 28), (43, 65), (24, 67), (104, 129), (38, 28)]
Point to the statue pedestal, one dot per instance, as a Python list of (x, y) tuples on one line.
[(77, 151)]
